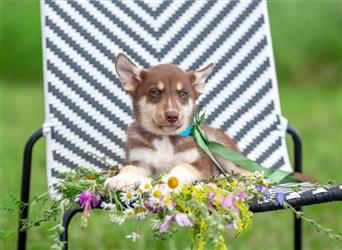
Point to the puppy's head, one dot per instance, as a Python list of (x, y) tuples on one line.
[(163, 96)]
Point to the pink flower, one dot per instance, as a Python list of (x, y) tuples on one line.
[(88, 200), (183, 220), (211, 184), (229, 202), (211, 195), (242, 195), (166, 224)]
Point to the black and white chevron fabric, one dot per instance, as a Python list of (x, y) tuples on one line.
[(86, 109)]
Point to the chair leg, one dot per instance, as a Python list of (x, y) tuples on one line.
[(298, 232), (67, 217), (25, 185)]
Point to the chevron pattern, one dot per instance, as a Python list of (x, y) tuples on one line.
[(87, 111)]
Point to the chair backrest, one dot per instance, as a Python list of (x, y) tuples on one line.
[(86, 109)]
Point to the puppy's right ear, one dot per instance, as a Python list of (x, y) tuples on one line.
[(129, 73)]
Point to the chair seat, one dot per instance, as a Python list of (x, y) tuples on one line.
[(306, 194)]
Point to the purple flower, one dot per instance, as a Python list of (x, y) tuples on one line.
[(279, 198), (166, 224), (267, 193), (260, 188), (229, 202), (88, 199), (183, 220)]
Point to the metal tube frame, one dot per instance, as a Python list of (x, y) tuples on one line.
[(68, 215), (25, 185), (297, 147)]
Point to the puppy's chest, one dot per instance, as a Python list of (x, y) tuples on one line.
[(166, 153)]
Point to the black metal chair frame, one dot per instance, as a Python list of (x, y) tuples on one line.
[(68, 215)]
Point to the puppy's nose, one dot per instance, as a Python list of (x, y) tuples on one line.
[(171, 116)]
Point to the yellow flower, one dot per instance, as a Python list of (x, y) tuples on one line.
[(157, 193), (232, 183)]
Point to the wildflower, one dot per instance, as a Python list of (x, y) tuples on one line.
[(199, 186), (108, 206), (88, 199), (128, 197), (140, 211), (172, 183), (242, 195), (155, 223), (134, 236), (166, 224), (279, 198), (118, 219), (258, 174), (211, 184), (129, 212), (266, 183), (158, 191), (155, 203), (170, 204), (232, 183), (229, 202), (145, 185), (260, 188), (183, 220), (267, 193), (234, 224)]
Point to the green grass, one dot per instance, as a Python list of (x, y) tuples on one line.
[(315, 110)]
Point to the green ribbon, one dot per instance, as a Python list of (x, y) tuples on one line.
[(210, 147)]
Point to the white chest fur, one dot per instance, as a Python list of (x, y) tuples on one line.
[(163, 156)]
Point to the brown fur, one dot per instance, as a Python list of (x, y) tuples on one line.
[(163, 100)]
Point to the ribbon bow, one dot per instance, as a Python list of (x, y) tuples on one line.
[(210, 147)]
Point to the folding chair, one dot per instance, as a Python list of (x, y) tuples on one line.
[(87, 112)]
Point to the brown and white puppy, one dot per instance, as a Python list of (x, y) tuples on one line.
[(163, 100)]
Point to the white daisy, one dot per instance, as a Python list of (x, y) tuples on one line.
[(145, 185), (172, 183), (118, 219), (140, 212), (128, 197), (129, 212), (158, 191)]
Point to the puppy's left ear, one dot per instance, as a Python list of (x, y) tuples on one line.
[(198, 77)]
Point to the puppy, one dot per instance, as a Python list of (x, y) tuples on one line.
[(163, 99)]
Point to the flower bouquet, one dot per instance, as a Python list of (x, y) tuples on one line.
[(208, 208)]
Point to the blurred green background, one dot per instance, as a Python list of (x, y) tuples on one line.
[(307, 44)]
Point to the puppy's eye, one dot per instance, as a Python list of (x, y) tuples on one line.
[(154, 92), (183, 93)]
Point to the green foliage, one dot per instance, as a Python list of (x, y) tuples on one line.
[(306, 40), (21, 53)]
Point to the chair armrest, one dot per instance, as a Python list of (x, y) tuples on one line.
[(297, 147)]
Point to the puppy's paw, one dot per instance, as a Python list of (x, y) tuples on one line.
[(186, 173), (121, 182)]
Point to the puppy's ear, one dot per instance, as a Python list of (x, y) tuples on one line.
[(129, 74), (198, 77)]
